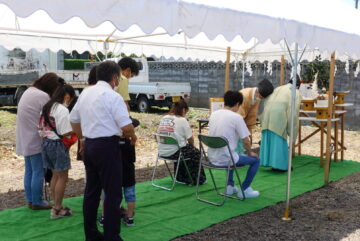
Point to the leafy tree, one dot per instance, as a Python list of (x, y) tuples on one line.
[(318, 67)]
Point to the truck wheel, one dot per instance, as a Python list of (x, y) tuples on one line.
[(143, 104)]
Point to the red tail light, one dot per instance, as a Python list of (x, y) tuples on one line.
[(161, 97)]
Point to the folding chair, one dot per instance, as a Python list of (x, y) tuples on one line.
[(216, 142), (168, 140)]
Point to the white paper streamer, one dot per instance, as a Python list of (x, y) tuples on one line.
[(269, 67), (347, 66), (248, 68), (357, 70)]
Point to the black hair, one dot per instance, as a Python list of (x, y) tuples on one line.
[(48, 83), (106, 71), (58, 97), (92, 76), (61, 81), (298, 83), (128, 62), (178, 107), (72, 103), (232, 97)]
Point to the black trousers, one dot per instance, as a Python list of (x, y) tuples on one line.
[(128, 156), (103, 165)]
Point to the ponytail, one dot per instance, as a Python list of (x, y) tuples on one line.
[(58, 97)]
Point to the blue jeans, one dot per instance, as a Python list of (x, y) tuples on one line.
[(129, 193), (34, 179), (243, 161)]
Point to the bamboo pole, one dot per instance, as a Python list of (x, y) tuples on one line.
[(227, 69), (330, 105), (282, 70), (287, 214)]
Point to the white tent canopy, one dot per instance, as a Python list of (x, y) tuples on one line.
[(279, 20)]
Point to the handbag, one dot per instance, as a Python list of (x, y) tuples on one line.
[(69, 140)]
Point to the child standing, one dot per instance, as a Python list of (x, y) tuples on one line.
[(128, 157), (55, 125)]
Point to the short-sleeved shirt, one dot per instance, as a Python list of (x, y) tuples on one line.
[(60, 119), (174, 126), (230, 125), (28, 141), (101, 111), (123, 88)]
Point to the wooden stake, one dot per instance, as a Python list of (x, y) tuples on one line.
[(330, 105), (282, 70), (227, 69)]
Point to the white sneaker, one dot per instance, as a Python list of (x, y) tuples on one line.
[(249, 193), (230, 190)]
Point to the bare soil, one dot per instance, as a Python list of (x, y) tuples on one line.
[(329, 213)]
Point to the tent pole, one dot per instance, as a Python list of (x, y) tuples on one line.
[(286, 216), (330, 106), (282, 70), (227, 69)]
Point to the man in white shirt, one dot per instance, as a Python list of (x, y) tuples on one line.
[(229, 124), (100, 117)]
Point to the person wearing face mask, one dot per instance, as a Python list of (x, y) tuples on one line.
[(99, 118), (53, 126), (129, 69)]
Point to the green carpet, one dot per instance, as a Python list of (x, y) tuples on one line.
[(163, 215)]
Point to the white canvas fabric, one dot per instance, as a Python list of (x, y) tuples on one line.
[(222, 22)]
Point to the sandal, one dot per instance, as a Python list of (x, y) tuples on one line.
[(60, 213)]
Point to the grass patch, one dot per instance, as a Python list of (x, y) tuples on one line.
[(7, 117)]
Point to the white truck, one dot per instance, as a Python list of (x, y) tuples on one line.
[(143, 94)]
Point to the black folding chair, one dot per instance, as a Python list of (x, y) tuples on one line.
[(217, 142)]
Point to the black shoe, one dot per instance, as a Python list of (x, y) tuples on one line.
[(129, 221), (98, 237), (280, 170), (101, 221)]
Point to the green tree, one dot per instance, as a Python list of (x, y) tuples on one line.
[(319, 67)]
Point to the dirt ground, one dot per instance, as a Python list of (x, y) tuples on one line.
[(329, 213)]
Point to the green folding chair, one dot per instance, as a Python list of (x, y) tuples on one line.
[(216, 142), (168, 140)]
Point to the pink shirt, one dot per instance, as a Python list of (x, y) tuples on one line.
[(28, 141)]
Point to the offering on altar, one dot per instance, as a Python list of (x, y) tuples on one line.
[(340, 96), (308, 104), (322, 112), (321, 106), (308, 91), (322, 101)]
